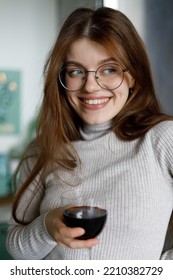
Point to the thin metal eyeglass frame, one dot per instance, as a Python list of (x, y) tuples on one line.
[(85, 77)]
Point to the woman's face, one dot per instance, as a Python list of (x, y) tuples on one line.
[(93, 104)]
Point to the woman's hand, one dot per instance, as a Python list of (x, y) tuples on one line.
[(66, 235)]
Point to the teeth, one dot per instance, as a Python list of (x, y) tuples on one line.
[(95, 101)]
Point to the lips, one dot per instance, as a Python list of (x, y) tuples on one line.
[(95, 103)]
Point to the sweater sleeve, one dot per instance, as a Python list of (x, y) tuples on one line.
[(30, 241), (163, 143)]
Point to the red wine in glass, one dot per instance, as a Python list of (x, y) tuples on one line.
[(91, 219)]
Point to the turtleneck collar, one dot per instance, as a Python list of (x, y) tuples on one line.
[(94, 131)]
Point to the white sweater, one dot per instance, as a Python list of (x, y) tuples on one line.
[(136, 178)]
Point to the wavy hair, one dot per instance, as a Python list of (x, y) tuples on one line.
[(58, 124)]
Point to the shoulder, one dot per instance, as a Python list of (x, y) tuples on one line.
[(161, 136), (163, 129)]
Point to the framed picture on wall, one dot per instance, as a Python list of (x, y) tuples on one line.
[(10, 82)]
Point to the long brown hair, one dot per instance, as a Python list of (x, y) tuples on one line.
[(58, 124)]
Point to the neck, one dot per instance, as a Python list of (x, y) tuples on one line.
[(94, 131)]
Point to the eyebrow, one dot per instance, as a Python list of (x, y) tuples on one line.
[(110, 59)]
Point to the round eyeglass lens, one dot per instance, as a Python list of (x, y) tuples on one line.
[(110, 76), (72, 77)]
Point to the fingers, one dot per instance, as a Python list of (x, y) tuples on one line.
[(79, 244), (68, 232), (66, 235)]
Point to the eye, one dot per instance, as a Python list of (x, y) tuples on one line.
[(75, 72), (108, 70)]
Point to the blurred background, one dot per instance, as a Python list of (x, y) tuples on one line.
[(28, 31)]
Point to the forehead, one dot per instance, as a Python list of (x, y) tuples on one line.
[(87, 53)]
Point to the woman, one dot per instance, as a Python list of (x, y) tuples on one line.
[(100, 128)]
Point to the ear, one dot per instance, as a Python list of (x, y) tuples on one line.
[(131, 81)]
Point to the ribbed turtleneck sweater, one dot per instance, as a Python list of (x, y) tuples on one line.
[(135, 180)]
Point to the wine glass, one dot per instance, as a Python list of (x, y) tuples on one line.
[(82, 210)]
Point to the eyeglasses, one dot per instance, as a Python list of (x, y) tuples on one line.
[(108, 76)]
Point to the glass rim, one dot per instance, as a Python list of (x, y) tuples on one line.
[(85, 77)]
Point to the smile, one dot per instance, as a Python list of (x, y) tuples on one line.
[(95, 101)]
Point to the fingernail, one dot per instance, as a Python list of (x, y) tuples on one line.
[(96, 241), (81, 231)]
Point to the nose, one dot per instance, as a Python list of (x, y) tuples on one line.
[(91, 82)]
